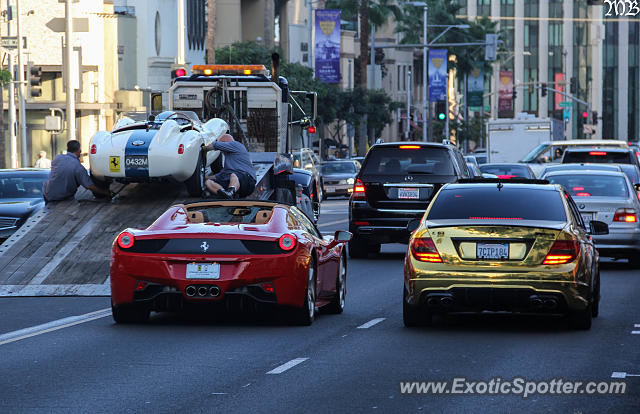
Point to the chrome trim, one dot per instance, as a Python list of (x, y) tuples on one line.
[(408, 185), (388, 210)]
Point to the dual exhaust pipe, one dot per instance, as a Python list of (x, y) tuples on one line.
[(544, 302), (202, 291), (444, 301)]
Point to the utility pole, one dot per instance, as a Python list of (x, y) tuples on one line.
[(181, 55), (21, 97), (12, 117), (69, 71), (406, 131), (310, 35), (425, 51)]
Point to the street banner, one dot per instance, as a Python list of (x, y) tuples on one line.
[(475, 89), (437, 75), (505, 94), (558, 78), (327, 45)]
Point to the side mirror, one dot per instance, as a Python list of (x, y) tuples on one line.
[(342, 236), (413, 225), (151, 118), (637, 187), (598, 228)]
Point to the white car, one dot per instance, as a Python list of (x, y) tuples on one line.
[(167, 147)]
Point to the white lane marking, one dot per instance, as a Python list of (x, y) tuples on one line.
[(61, 254), (333, 222), (287, 365), (623, 375), (56, 290), (371, 323), (635, 332), (52, 326)]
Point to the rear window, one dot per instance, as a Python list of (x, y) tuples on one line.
[(592, 185), (597, 156), (507, 170), (22, 187), (232, 214), (399, 161), (339, 168), (507, 203)]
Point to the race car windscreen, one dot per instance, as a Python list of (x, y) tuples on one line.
[(490, 203), (592, 185), (232, 214), (415, 160), (598, 156)]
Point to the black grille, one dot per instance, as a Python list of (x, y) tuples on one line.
[(205, 246)]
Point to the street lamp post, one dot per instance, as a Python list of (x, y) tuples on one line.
[(425, 51), (406, 131)]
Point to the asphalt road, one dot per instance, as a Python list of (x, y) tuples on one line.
[(352, 362)]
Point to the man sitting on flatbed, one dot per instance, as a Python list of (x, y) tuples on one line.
[(237, 175)]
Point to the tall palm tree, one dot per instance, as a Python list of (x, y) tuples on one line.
[(211, 31)]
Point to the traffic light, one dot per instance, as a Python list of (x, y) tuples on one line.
[(594, 117), (514, 93), (573, 85), (585, 115), (441, 110), (543, 90), (34, 80)]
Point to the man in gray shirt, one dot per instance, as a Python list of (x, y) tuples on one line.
[(67, 174), (237, 174)]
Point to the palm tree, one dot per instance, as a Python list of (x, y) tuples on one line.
[(211, 31)]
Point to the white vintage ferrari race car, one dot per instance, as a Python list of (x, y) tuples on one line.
[(167, 147)]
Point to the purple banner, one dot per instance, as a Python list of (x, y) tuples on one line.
[(327, 46)]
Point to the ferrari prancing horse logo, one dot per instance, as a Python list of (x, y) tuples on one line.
[(114, 164), (204, 246)]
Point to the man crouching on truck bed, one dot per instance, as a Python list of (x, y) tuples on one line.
[(237, 175)]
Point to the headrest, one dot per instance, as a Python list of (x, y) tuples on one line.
[(196, 217), (263, 216)]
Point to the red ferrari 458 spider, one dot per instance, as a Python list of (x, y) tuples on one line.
[(220, 251)]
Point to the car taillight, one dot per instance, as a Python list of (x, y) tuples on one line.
[(94, 149), (583, 194), (562, 251), (125, 240), (358, 190), (180, 149), (409, 147), (287, 242), (506, 176), (597, 153), (424, 250), (625, 215)]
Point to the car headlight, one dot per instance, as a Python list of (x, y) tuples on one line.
[(350, 181)]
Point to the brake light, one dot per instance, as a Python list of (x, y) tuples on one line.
[(562, 251), (583, 194), (94, 149), (597, 153), (578, 188), (287, 242), (506, 176), (424, 250), (358, 190), (125, 240), (180, 149), (625, 215), (409, 147)]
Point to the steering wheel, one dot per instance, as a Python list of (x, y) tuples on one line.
[(180, 115)]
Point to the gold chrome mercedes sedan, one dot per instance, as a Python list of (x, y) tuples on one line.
[(492, 245)]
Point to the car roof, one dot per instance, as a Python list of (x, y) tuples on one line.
[(583, 166), (585, 172), (420, 143), (589, 142), (519, 164), (520, 185), (606, 150)]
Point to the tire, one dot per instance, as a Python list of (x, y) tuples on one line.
[(129, 314), (414, 316), (195, 183), (358, 248), (104, 184), (337, 303), (581, 320), (634, 261), (305, 315), (595, 305)]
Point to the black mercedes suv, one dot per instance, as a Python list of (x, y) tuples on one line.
[(395, 184)]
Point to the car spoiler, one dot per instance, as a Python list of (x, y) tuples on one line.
[(501, 180)]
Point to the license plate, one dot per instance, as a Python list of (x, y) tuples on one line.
[(587, 218), (409, 193), (492, 250), (203, 270), (136, 161), (330, 189)]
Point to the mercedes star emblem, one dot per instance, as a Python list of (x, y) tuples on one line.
[(408, 178), (204, 246)]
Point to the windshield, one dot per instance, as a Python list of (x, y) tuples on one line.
[(598, 156), (399, 161), (339, 168), (21, 187), (506, 203), (506, 171), (589, 185)]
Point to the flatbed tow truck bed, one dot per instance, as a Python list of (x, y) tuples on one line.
[(64, 249)]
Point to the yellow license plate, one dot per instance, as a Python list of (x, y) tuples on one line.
[(114, 164)]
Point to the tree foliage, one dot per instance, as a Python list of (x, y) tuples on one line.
[(5, 77)]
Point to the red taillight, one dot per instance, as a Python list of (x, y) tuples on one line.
[(562, 251), (424, 250), (625, 215), (506, 176), (140, 285), (409, 147), (287, 242), (94, 149), (358, 190), (267, 287), (578, 188), (181, 149), (583, 194), (361, 223), (125, 240), (597, 153)]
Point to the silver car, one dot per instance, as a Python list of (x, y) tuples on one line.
[(606, 196)]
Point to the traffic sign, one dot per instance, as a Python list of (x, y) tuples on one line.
[(59, 25), (11, 42), (566, 114), (565, 104)]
